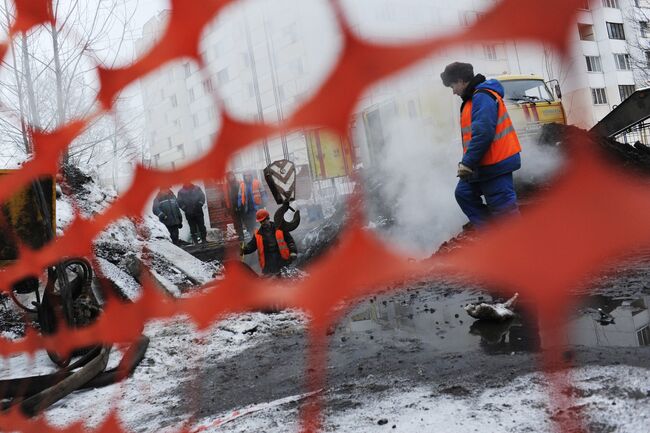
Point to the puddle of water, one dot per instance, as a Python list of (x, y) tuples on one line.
[(443, 326)]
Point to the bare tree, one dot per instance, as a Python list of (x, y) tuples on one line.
[(638, 42), (50, 77)]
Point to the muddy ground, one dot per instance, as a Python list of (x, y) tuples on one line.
[(421, 337)]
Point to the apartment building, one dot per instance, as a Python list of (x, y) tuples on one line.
[(266, 58), (259, 64)]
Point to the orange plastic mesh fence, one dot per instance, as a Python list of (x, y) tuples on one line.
[(553, 248)]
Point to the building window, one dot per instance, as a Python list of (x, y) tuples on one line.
[(610, 4), (643, 335), (412, 108), (647, 59), (467, 18), (222, 76), (297, 66), (177, 123), (490, 52), (615, 31), (643, 26), (625, 91), (586, 32), (192, 96), (181, 150), (195, 120), (174, 100), (622, 62), (188, 70), (599, 96), (207, 86), (246, 60), (593, 64), (169, 142), (291, 33)]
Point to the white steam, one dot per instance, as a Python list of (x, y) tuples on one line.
[(539, 162), (418, 182), (418, 179)]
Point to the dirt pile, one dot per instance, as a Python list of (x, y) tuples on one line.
[(635, 157)]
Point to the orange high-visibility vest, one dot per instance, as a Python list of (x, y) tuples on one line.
[(282, 246), (257, 192), (505, 142)]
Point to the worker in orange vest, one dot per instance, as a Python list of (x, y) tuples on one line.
[(275, 247), (491, 149), (249, 200)]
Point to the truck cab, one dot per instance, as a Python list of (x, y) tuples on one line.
[(531, 103)]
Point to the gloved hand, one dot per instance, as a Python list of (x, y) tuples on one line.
[(464, 172), (162, 217), (292, 257)]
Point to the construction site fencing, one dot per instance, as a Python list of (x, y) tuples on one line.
[(561, 250)]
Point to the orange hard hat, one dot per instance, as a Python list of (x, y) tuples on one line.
[(261, 215)]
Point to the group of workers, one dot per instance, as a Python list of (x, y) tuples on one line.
[(245, 200), (167, 207), (491, 153)]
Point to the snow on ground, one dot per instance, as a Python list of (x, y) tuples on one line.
[(125, 282), (190, 265), (614, 399), (163, 380)]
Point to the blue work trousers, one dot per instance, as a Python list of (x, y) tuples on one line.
[(500, 198)]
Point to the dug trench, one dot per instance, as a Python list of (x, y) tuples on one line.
[(421, 336)]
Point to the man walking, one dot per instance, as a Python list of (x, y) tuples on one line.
[(165, 207), (250, 200), (191, 199), (275, 247), (491, 149)]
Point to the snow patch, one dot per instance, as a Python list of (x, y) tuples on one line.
[(125, 282)]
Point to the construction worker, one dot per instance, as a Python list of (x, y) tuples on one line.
[(275, 247), (490, 146), (191, 199), (165, 207), (250, 199), (231, 190)]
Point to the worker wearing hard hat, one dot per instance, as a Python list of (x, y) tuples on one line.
[(491, 149), (275, 247)]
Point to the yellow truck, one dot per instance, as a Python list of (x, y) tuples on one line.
[(531, 103)]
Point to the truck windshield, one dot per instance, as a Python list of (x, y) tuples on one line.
[(526, 90)]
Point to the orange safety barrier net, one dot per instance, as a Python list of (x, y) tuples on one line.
[(553, 248)]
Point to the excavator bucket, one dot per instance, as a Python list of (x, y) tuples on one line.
[(632, 111)]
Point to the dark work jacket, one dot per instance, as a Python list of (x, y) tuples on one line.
[(165, 207), (484, 122), (232, 189), (274, 262), (191, 200)]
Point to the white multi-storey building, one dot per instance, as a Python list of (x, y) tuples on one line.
[(259, 67), (608, 61), (267, 57)]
